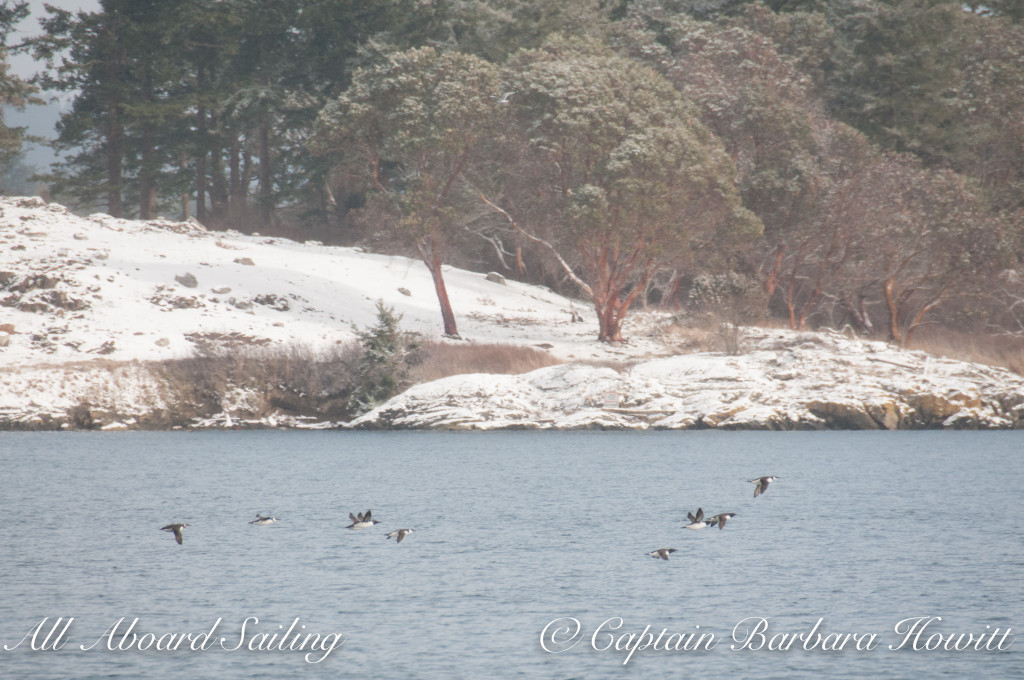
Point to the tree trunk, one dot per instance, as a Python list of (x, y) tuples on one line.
[(186, 200), (218, 185), (790, 302), (236, 194), (773, 274), (930, 304), (115, 151), (266, 170), (895, 332), (609, 321), (266, 175), (147, 174), (201, 134), (430, 252), (115, 154), (857, 313), (671, 295), (612, 308)]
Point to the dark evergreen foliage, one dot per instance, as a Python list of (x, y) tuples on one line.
[(383, 370), (877, 141), (14, 92)]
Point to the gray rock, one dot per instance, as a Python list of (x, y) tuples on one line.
[(843, 416), (247, 261), (187, 280), (496, 278), (223, 290)]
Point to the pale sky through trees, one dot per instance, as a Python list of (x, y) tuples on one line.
[(39, 120)]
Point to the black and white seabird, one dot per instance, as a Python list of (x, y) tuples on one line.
[(361, 521), (696, 521), (399, 534), (663, 553), (762, 484), (263, 520), (720, 519), (176, 528)]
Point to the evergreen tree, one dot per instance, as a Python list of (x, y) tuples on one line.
[(14, 92), (122, 70), (85, 54), (894, 73), (384, 366)]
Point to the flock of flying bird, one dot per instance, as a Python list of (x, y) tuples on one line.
[(697, 520), (363, 520)]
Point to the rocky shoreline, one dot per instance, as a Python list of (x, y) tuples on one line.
[(783, 381), (96, 313)]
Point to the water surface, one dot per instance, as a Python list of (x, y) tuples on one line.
[(514, 531)]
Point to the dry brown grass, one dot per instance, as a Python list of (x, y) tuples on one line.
[(704, 334), (617, 365), (439, 359), (995, 350)]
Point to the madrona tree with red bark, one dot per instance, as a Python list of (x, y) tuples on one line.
[(931, 238), (411, 127), (614, 175)]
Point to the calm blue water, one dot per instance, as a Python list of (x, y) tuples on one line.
[(513, 532)]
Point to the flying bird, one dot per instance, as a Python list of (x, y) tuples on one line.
[(399, 534), (663, 553), (176, 528), (720, 519), (361, 521), (762, 484), (696, 521), (505, 98)]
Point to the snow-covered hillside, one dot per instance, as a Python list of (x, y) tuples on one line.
[(86, 302), (75, 288)]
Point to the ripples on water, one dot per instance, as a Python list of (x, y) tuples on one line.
[(513, 531)]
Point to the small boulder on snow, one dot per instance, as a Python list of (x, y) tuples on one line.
[(188, 280)]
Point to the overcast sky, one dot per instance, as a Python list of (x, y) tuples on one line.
[(23, 64)]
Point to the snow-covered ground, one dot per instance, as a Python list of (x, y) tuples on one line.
[(86, 301), (782, 381), (76, 288)]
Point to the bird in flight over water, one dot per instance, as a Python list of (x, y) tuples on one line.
[(696, 521), (662, 553), (176, 528), (399, 534), (762, 484), (720, 519), (361, 521)]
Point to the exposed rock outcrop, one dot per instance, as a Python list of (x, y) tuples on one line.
[(788, 381)]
